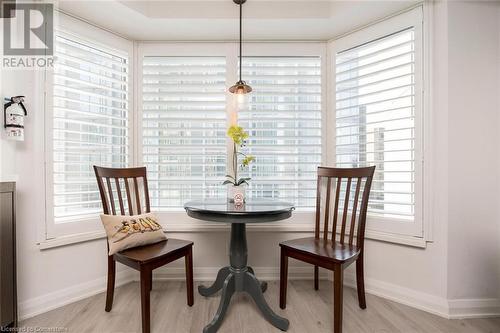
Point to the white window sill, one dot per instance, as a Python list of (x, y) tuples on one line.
[(70, 239), (184, 224), (396, 239)]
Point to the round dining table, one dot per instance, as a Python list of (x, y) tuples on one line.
[(238, 276)]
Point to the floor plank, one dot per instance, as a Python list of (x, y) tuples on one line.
[(308, 311)]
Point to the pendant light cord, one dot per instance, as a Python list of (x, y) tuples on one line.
[(241, 12)]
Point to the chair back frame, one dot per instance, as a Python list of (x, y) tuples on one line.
[(338, 174), (112, 176)]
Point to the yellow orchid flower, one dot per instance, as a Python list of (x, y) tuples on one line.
[(237, 134), (247, 160)]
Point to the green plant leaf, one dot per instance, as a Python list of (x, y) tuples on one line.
[(243, 181), (227, 182), (229, 176)]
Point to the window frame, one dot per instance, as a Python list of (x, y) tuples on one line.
[(411, 18), (75, 29)]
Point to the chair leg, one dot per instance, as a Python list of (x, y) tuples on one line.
[(189, 277), (151, 282), (111, 283), (283, 278), (145, 299), (316, 277), (338, 289), (360, 280)]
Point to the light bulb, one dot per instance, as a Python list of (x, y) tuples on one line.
[(240, 98)]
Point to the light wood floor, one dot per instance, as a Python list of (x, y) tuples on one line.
[(308, 311)]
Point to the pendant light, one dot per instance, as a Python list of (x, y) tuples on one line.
[(240, 87)]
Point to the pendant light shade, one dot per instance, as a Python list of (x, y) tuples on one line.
[(240, 87)]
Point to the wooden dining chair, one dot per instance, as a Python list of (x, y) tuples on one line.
[(328, 251), (143, 258)]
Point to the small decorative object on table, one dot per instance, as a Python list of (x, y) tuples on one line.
[(236, 189)]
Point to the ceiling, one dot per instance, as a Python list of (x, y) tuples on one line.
[(218, 19)]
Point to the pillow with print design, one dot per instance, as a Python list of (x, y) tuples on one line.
[(128, 231)]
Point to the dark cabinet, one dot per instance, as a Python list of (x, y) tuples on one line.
[(8, 296)]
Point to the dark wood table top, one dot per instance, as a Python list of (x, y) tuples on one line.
[(252, 211)]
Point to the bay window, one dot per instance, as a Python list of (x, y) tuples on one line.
[(351, 102)]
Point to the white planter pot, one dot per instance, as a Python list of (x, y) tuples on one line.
[(236, 194)]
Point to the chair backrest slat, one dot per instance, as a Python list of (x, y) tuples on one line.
[(346, 210), (119, 192), (350, 206), (102, 194), (129, 198), (364, 207), (318, 204), (146, 199), (327, 208), (336, 207), (111, 199), (354, 210), (111, 178), (137, 196)]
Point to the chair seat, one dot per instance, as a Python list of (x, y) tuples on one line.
[(333, 251), (155, 251)]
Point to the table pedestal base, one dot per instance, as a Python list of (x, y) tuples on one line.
[(239, 277)]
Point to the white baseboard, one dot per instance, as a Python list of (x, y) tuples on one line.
[(474, 308), (416, 299), (450, 309), (54, 300)]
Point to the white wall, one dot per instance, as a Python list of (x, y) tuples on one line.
[(421, 277), (7, 148), (474, 166)]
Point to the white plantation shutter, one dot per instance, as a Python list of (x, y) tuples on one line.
[(375, 106), (90, 123), (183, 128), (283, 118)]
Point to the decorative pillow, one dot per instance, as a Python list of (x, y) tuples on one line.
[(125, 232)]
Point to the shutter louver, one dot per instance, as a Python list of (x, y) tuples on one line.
[(375, 119), (283, 118), (183, 128), (90, 123)]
